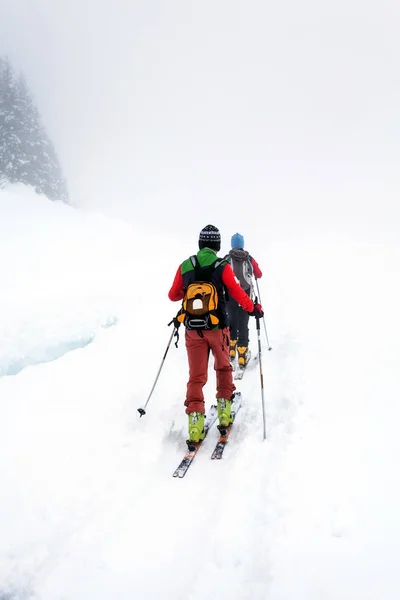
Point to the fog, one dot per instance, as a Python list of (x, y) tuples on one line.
[(279, 120), (251, 115)]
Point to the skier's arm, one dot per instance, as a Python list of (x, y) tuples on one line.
[(235, 290), (177, 290), (256, 269)]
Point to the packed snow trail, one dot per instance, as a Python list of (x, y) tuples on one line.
[(122, 512), (89, 507)]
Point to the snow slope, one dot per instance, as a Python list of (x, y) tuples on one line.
[(88, 507)]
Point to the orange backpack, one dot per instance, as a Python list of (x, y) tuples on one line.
[(200, 303)]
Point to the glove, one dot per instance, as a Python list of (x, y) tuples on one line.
[(175, 322), (257, 311)]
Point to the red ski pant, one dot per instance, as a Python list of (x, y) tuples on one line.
[(198, 350)]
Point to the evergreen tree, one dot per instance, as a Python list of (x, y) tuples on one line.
[(8, 136), (26, 125), (26, 153)]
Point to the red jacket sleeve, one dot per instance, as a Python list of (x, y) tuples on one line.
[(235, 290), (256, 269), (177, 290)]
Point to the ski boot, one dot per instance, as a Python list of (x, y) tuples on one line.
[(224, 415), (196, 430), (232, 350), (243, 355)]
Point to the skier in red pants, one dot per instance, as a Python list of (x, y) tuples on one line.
[(207, 328)]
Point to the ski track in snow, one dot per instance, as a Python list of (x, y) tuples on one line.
[(132, 514), (200, 520)]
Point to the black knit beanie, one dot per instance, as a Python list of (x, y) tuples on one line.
[(210, 237)]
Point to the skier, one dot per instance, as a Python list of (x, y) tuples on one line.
[(244, 266), (197, 281)]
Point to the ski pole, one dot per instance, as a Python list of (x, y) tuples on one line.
[(261, 378), (265, 327), (142, 411)]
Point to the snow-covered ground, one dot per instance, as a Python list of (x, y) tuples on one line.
[(88, 506)]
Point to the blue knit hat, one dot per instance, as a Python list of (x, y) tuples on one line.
[(237, 241)]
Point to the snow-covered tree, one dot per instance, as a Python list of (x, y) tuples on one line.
[(8, 136), (26, 153)]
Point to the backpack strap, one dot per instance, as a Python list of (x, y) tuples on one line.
[(196, 265), (195, 262), (218, 262)]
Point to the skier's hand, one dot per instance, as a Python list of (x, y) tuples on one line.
[(257, 311), (175, 322)]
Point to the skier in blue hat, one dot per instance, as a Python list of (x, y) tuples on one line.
[(245, 267)]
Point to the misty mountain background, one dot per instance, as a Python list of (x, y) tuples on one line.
[(176, 114)]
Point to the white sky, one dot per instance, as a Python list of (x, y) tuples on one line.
[(180, 113)]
